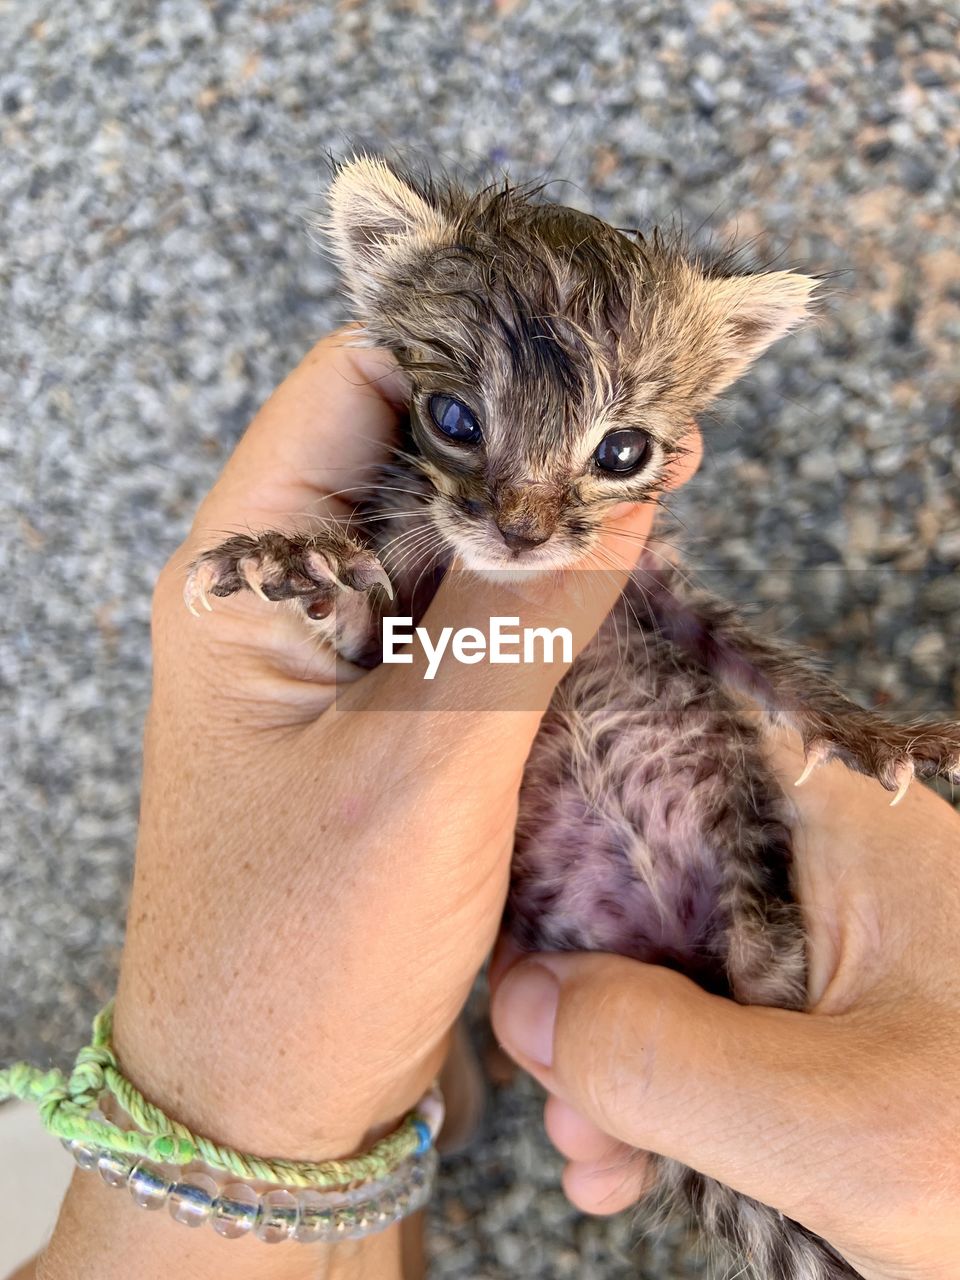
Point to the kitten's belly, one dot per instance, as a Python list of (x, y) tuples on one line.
[(641, 770)]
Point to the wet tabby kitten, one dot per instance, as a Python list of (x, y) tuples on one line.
[(554, 366)]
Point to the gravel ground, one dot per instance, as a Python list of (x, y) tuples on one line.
[(157, 282)]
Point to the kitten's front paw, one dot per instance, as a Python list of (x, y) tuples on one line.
[(327, 574), (893, 754)]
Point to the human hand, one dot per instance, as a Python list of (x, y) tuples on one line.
[(320, 872), (846, 1117)]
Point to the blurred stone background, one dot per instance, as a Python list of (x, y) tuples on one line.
[(156, 163)]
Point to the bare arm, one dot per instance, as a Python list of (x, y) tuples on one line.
[(309, 910)]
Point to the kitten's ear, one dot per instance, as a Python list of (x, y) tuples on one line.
[(376, 221), (747, 314)]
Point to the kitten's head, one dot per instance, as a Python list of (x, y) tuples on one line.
[(556, 365)]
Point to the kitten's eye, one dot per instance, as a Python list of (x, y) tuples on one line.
[(454, 419), (622, 451)]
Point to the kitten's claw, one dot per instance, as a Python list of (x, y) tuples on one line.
[(359, 570), (903, 776), (381, 579), (199, 580), (250, 572), (816, 756)]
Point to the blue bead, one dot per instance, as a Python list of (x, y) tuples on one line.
[(424, 1135)]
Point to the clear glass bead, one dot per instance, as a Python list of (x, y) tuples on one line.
[(85, 1156), (387, 1206), (191, 1201), (402, 1193), (344, 1222), (316, 1220), (235, 1211), (278, 1217), (419, 1179), (114, 1168), (368, 1217), (148, 1185)]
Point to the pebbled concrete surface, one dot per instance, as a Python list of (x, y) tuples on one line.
[(155, 161)]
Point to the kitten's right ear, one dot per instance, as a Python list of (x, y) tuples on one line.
[(376, 222)]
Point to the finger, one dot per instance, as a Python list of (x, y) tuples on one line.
[(659, 1064), (603, 1176), (577, 1137), (610, 1185), (322, 433)]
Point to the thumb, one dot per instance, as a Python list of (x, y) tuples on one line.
[(761, 1099), (577, 598), (481, 665)]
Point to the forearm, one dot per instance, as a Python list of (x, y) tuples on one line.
[(100, 1233)]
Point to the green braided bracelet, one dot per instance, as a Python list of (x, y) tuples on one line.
[(67, 1106)]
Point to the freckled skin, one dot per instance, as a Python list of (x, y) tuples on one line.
[(649, 821)]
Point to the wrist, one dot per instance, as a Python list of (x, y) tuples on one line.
[(279, 1119), (295, 1097)]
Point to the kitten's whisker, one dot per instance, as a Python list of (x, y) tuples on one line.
[(372, 486), (391, 548), (388, 515), (395, 563), (415, 547), (412, 549), (440, 549)]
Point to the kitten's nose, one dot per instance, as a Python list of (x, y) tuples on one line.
[(518, 539)]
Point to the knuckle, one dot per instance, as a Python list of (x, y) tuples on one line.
[(602, 1050)]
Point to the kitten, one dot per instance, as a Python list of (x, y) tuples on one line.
[(554, 366)]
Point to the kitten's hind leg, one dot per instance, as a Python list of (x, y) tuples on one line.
[(326, 574), (759, 1242), (790, 689)]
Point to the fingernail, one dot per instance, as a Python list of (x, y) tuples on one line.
[(525, 1010)]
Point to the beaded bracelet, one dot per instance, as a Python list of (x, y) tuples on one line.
[(274, 1215), (162, 1162)]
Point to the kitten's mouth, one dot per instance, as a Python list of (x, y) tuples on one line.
[(481, 548), (485, 556)]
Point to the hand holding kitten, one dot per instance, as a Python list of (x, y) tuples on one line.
[(319, 877), (846, 1117)]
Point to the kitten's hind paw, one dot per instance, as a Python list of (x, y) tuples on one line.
[(893, 754)]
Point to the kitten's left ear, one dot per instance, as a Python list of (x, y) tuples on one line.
[(746, 315), (377, 221)]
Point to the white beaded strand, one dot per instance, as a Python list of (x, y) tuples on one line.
[(237, 1209)]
